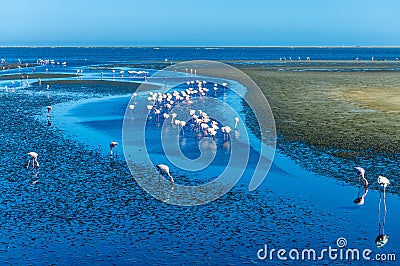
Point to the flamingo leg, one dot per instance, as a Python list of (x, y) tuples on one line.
[(379, 210), (384, 199)]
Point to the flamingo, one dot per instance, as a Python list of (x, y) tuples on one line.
[(361, 173), (182, 124), (204, 127), (113, 146), (215, 90), (164, 169), (383, 181), (177, 122), (157, 113), (226, 130), (173, 115), (34, 157), (236, 122), (131, 107)]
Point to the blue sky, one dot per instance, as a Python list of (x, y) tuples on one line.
[(199, 23)]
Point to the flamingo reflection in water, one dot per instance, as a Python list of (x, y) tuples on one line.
[(360, 199), (382, 238), (363, 186)]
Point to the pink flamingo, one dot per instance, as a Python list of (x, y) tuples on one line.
[(361, 173)]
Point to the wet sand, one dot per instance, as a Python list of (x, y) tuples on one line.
[(348, 110), (351, 117)]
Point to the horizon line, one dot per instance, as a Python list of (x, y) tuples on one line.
[(199, 46)]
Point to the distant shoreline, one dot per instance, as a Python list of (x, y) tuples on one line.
[(210, 46)]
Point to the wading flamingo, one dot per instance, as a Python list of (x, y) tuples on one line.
[(164, 169), (113, 146), (361, 173), (34, 157), (383, 181), (236, 122)]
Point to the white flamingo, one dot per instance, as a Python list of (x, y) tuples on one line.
[(236, 122), (383, 182), (226, 130), (182, 124), (173, 115), (177, 123), (157, 113), (34, 157), (204, 127), (164, 169), (131, 107)]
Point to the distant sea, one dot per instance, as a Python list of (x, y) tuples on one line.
[(98, 55)]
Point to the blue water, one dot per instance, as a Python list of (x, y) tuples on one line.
[(87, 209), (293, 208), (88, 55)]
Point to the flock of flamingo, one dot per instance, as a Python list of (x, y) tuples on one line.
[(160, 106)]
